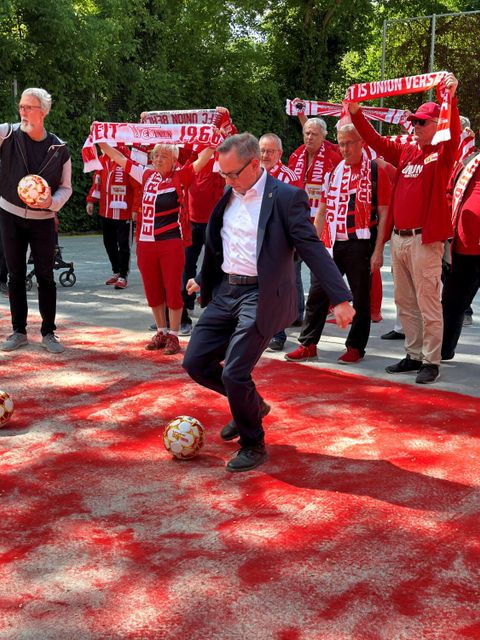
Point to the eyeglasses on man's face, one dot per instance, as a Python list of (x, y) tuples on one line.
[(234, 175), (422, 123), (27, 108)]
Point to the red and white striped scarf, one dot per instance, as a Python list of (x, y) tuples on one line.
[(134, 133), (467, 144), (314, 180), (337, 198), (283, 173), (315, 108), (401, 86), (462, 184)]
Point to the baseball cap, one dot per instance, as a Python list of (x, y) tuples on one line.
[(426, 111)]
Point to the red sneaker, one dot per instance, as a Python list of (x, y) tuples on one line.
[(377, 317), (302, 353), (113, 279), (350, 356), (172, 345), (121, 283), (158, 341)]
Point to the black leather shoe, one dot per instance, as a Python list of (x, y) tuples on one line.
[(275, 344), (405, 366), (230, 431), (248, 458), (393, 335)]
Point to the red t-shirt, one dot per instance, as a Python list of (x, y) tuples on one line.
[(204, 192), (467, 236)]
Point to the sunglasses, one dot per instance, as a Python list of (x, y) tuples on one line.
[(422, 123)]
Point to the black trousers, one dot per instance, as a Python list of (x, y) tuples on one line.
[(3, 262), (226, 332), (352, 258), (17, 234), (117, 239), (459, 288), (192, 254)]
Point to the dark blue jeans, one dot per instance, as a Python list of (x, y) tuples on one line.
[(227, 332), (17, 234)]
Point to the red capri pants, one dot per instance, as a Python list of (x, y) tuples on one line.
[(161, 266)]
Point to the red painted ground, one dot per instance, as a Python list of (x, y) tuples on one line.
[(363, 525)]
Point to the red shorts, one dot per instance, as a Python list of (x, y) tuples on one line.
[(161, 266)]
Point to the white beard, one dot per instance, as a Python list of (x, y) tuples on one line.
[(26, 127)]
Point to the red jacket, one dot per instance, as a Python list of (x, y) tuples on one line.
[(436, 223), (113, 189)]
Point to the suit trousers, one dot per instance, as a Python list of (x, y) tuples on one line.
[(17, 234), (352, 258), (460, 287), (227, 332)]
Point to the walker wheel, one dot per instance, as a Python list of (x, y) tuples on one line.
[(67, 279)]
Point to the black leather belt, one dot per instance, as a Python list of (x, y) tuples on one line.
[(407, 232), (233, 278)]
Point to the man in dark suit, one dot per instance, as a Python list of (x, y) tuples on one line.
[(248, 282)]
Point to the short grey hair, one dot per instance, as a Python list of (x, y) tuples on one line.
[(318, 122), (274, 137), (464, 122), (162, 146), (42, 96), (348, 128), (245, 144)]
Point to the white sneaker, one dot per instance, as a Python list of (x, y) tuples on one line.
[(14, 341), (51, 343)]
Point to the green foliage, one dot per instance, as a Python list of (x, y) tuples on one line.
[(113, 59)]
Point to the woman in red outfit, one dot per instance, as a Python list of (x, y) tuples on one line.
[(160, 251)]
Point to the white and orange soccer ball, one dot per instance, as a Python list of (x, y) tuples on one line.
[(6, 408), (183, 437), (32, 189)]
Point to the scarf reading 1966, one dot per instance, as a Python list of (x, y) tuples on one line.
[(315, 108), (337, 198), (148, 134), (410, 84)]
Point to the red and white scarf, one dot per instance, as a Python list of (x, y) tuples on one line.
[(338, 196), (467, 144), (134, 133), (462, 184), (315, 108), (220, 119), (312, 177), (185, 116), (401, 86)]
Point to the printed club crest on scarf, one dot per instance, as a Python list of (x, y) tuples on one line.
[(338, 196)]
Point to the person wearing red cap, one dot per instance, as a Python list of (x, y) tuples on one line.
[(113, 191), (420, 219)]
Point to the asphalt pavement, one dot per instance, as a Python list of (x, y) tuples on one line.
[(89, 300)]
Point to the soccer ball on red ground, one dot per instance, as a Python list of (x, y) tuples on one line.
[(6, 408), (32, 189), (183, 437)]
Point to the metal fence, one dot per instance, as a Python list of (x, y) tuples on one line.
[(439, 42)]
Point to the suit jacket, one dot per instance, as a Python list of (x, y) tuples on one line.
[(284, 226)]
